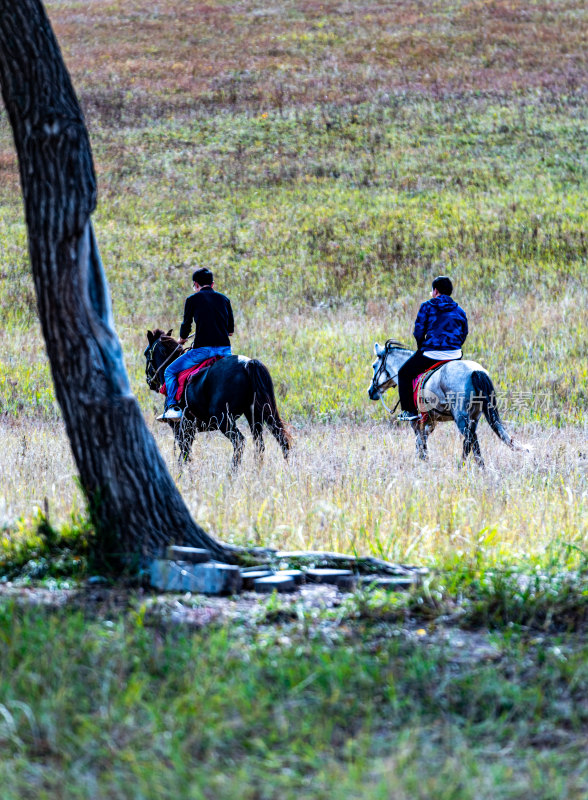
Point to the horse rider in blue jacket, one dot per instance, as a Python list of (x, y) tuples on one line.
[(440, 329)]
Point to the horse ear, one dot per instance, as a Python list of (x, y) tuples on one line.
[(379, 351), (150, 337), (169, 333)]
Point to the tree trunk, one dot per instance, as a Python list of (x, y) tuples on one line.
[(134, 503)]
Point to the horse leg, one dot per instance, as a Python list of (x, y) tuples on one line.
[(258, 442), (184, 435), (467, 445), (236, 438), (470, 441), (277, 430), (463, 423), (467, 427), (421, 440), (187, 432), (257, 431), (280, 436), (475, 443)]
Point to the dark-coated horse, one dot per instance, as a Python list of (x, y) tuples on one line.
[(233, 386)]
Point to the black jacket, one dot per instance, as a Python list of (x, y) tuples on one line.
[(213, 316)]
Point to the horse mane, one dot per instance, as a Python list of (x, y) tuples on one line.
[(393, 344), (166, 341)]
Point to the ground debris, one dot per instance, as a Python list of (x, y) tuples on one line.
[(191, 569)]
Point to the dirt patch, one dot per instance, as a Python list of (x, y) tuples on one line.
[(314, 611)]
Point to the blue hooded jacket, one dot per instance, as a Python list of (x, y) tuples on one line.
[(440, 324)]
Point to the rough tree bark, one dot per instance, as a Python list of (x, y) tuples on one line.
[(134, 503)]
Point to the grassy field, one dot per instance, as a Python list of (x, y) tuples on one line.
[(326, 161), (339, 232), (106, 706), (349, 487)]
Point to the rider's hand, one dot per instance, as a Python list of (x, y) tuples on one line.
[(182, 341)]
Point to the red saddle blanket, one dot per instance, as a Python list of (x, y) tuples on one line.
[(186, 376), (417, 383)]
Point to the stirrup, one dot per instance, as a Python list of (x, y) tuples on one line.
[(407, 416)]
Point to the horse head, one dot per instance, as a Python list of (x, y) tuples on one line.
[(385, 370), (161, 351)]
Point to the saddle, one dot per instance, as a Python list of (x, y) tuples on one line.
[(418, 386), (188, 375)]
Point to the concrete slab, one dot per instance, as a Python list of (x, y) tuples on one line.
[(336, 577), (275, 583), (250, 577), (297, 574), (209, 578)]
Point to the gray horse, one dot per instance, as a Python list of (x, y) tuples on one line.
[(459, 390)]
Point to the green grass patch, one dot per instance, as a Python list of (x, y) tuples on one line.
[(33, 549), (99, 706)]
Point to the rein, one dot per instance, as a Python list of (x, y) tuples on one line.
[(389, 410), (168, 359)]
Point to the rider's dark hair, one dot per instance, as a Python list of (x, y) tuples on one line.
[(443, 284), (203, 277)]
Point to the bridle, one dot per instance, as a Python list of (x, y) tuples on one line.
[(149, 352), (383, 369)]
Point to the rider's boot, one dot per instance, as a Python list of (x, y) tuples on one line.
[(170, 414)]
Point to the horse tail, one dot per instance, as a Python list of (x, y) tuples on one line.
[(264, 403), (486, 395)]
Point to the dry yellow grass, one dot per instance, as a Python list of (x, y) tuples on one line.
[(352, 488)]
